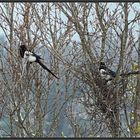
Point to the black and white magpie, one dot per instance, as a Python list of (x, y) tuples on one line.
[(32, 57), (105, 72)]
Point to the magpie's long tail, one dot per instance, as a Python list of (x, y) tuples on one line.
[(46, 68), (130, 73)]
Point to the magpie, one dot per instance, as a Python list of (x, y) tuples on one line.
[(105, 72), (32, 57)]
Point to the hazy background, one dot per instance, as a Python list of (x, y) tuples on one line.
[(72, 38)]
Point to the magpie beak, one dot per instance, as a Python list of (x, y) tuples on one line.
[(105, 72), (32, 57)]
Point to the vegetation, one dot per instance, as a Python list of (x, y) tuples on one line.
[(72, 38)]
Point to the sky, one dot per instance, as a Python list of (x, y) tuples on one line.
[(111, 7)]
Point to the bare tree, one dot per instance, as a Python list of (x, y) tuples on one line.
[(73, 38)]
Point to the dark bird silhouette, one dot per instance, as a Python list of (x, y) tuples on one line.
[(105, 72), (32, 57), (108, 74)]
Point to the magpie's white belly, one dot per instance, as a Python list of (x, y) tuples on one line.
[(31, 58), (104, 75)]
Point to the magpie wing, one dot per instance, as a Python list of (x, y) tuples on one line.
[(112, 73), (37, 56)]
